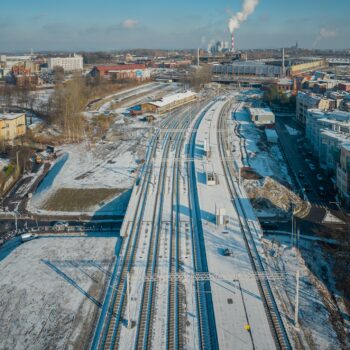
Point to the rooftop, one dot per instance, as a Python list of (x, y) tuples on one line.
[(346, 146), (260, 111), (10, 116), (173, 98), (120, 67)]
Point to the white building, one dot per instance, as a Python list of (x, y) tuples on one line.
[(326, 133), (343, 173), (69, 64), (262, 116)]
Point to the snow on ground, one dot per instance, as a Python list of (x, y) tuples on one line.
[(4, 162), (108, 165), (292, 131), (316, 331), (266, 159), (52, 290), (41, 97), (237, 302), (111, 163), (33, 121)]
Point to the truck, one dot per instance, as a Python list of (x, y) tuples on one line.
[(26, 237)]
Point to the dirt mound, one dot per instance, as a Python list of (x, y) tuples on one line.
[(268, 193), (250, 174)]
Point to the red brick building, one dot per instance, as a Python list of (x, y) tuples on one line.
[(122, 72)]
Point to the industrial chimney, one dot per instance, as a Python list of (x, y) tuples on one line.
[(233, 42)]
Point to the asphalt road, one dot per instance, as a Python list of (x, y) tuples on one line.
[(298, 161)]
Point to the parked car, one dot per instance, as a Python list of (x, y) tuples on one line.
[(26, 237), (312, 167), (60, 226), (228, 252)]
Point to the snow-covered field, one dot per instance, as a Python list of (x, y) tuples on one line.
[(51, 290), (111, 163), (315, 319)]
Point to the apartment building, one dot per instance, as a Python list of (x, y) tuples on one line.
[(306, 101), (12, 125), (343, 173), (329, 136), (69, 64)]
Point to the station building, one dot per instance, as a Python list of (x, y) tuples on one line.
[(169, 103)]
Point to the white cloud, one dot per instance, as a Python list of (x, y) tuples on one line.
[(328, 33), (129, 24)]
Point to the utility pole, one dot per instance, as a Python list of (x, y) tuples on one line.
[(17, 162), (292, 233), (129, 298), (296, 315)]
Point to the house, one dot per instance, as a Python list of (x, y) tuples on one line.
[(12, 125)]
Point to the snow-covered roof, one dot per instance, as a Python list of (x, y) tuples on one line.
[(346, 146), (173, 98), (10, 116), (340, 137), (261, 111), (285, 81)]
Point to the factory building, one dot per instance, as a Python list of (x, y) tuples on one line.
[(300, 69), (69, 64), (122, 72), (169, 103), (12, 125), (248, 68), (262, 116)]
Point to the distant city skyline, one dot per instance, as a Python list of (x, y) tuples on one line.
[(110, 25)]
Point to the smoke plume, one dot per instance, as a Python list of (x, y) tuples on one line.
[(325, 33), (247, 9)]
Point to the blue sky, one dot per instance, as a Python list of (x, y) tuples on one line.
[(116, 24)]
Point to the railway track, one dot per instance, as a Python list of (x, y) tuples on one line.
[(207, 333), (274, 318), (107, 338), (146, 319), (143, 340), (110, 323), (176, 298)]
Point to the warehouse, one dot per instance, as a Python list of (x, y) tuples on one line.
[(169, 103), (262, 116), (122, 72), (248, 68)]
